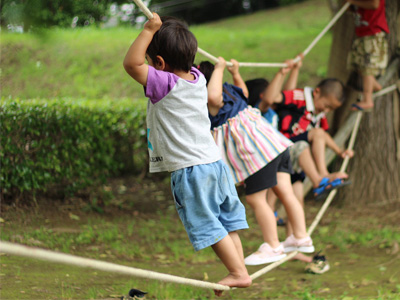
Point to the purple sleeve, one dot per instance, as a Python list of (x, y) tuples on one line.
[(159, 84)]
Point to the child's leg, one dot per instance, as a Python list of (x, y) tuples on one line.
[(294, 210), (377, 86), (316, 137), (238, 244), (265, 217), (298, 189), (209, 214), (271, 199), (229, 250), (307, 163), (298, 192), (369, 83)]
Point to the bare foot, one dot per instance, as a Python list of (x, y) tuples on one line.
[(333, 176), (239, 281), (362, 106), (377, 86)]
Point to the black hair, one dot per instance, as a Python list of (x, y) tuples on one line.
[(207, 69), (256, 87), (174, 43), (332, 86)]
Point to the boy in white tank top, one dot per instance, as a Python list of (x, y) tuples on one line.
[(180, 142)]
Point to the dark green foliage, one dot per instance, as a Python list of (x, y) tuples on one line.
[(68, 145), (47, 13), (201, 11)]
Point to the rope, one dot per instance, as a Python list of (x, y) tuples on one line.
[(11, 248), (327, 27), (68, 259), (386, 90), (214, 59), (321, 211), (211, 57), (332, 194), (149, 15), (305, 52)]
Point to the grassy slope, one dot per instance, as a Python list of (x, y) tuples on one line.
[(88, 62)]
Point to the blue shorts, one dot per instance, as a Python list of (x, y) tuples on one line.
[(207, 203)]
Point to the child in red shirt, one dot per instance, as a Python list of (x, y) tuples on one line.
[(368, 55), (302, 116)]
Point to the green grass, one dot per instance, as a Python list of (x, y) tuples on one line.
[(140, 227), (361, 268), (87, 62)]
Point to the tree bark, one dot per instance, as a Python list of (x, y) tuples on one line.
[(375, 168), (333, 5)]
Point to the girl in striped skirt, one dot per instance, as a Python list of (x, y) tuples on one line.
[(257, 154)]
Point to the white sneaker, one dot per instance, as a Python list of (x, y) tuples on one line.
[(304, 245), (265, 254)]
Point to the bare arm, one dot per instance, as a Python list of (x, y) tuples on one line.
[(214, 88), (135, 60), (273, 92), (367, 4), (331, 144), (237, 78), (291, 82)]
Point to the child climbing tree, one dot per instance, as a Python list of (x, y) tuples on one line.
[(375, 167)]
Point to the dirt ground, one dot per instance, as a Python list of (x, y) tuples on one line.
[(361, 243)]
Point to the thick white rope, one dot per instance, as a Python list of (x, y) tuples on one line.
[(68, 259), (15, 249), (273, 265), (322, 209), (345, 162), (347, 159), (214, 59), (327, 27), (149, 15), (305, 52), (332, 194), (386, 90)]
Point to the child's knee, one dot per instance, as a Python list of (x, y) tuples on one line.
[(316, 133)]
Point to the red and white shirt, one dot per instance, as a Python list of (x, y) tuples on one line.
[(297, 113)]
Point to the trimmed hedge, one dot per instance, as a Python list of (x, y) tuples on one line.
[(68, 144)]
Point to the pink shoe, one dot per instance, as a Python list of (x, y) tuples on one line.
[(265, 254), (302, 245)]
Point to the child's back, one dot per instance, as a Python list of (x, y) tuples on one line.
[(177, 122), (179, 141)]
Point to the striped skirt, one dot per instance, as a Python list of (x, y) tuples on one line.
[(248, 143)]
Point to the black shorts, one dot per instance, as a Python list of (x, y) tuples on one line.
[(298, 177), (301, 137), (266, 177)]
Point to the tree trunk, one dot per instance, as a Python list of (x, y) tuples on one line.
[(375, 168), (333, 5)]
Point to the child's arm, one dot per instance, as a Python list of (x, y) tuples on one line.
[(291, 82), (273, 92), (237, 78), (134, 62), (367, 4), (331, 144), (214, 88)]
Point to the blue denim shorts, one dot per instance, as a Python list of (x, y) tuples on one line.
[(207, 203)]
